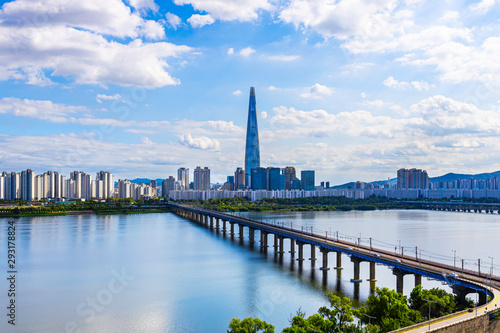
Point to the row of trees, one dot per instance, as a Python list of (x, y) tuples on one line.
[(384, 311), (299, 204)]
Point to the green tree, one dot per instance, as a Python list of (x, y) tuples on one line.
[(389, 308), (249, 325)]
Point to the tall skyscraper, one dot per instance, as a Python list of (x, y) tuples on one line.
[(183, 177), (289, 176), (252, 151), (307, 180), (239, 179), (259, 179)]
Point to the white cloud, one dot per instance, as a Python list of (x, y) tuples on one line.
[(45, 110), (229, 10), (173, 20), (341, 18), (272, 88), (198, 21), (230, 51), (450, 16), (483, 6), (237, 92), (263, 114), (84, 41), (102, 97), (146, 141), (402, 85), (247, 51), (144, 4), (201, 142), (139, 131), (317, 91), (284, 58)]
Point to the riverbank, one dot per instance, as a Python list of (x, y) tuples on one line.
[(62, 210), (299, 204)]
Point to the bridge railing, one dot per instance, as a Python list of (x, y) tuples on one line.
[(477, 267)]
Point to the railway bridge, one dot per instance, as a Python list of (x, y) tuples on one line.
[(468, 281)]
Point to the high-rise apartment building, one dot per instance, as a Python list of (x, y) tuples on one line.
[(252, 150), (183, 177), (167, 186), (307, 180), (413, 179), (201, 178)]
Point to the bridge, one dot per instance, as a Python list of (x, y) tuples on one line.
[(455, 206), (467, 282)]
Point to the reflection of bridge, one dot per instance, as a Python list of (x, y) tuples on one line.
[(456, 206), (468, 282)]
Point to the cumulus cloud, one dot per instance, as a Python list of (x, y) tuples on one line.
[(317, 91), (102, 97), (198, 21), (247, 51), (237, 92), (263, 114), (202, 142), (173, 20), (230, 51), (144, 4), (84, 41), (402, 85), (229, 10), (339, 19), (483, 6)]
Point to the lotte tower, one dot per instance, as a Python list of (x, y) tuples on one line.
[(252, 151)]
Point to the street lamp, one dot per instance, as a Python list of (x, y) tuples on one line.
[(491, 272), (454, 256), (429, 311), (369, 322)]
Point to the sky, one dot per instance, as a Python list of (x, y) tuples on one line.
[(353, 89)]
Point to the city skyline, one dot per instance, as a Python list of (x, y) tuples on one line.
[(366, 89)]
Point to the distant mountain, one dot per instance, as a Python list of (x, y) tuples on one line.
[(454, 176), (448, 177), (144, 180)]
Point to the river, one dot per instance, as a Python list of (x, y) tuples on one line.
[(161, 273)]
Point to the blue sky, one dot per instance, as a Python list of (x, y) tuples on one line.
[(353, 89)]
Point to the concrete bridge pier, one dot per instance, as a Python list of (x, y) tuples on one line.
[(263, 239), (300, 246), (462, 292), (339, 261), (232, 228), (224, 227), (313, 253), (325, 259), (399, 279), (356, 262), (418, 280), (280, 249), (292, 246), (372, 272), (217, 224), (240, 234), (251, 235), (211, 222), (275, 242), (483, 298)]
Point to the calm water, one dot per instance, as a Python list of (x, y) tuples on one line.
[(160, 273)]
